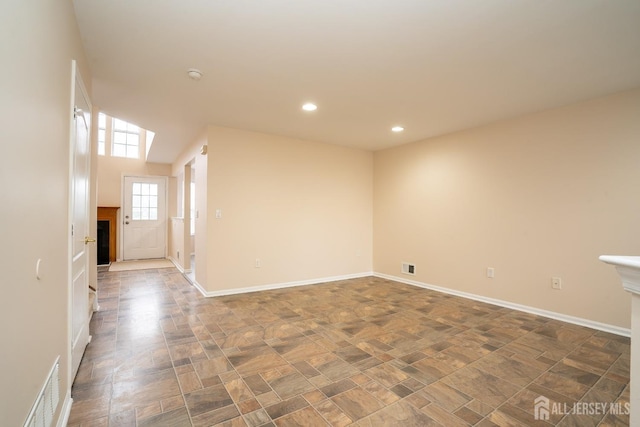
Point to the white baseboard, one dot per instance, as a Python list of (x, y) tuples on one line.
[(176, 263), (63, 420), (519, 307), (280, 285), (616, 330), (199, 287)]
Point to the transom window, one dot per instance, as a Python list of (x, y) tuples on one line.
[(144, 203), (126, 139), (118, 138)]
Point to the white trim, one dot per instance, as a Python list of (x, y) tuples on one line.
[(63, 420), (76, 79), (199, 288), (68, 362), (123, 196), (279, 285), (628, 267), (625, 332), (177, 264)]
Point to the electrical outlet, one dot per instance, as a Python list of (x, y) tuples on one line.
[(556, 283), (490, 272), (258, 263)]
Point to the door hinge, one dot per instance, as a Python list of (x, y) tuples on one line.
[(75, 112), (71, 230)]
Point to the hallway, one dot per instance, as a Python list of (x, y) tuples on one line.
[(366, 352)]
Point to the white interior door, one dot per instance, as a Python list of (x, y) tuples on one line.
[(144, 218), (80, 177)]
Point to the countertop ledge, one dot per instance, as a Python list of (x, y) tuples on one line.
[(628, 268), (622, 260)]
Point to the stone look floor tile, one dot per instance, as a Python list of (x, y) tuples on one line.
[(304, 417), (357, 403), (363, 352), (286, 407), (291, 385)]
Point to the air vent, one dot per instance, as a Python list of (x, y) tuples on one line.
[(408, 268), (47, 402)]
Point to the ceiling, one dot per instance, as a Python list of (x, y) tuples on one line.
[(432, 66)]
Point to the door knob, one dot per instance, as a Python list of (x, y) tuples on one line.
[(88, 239), (126, 222)]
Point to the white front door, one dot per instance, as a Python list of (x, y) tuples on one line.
[(79, 292), (144, 218)]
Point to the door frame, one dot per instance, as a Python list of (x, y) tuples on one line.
[(122, 208), (76, 79)]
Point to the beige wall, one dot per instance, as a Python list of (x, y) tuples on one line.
[(172, 185), (112, 169), (302, 208), (176, 241), (182, 165), (40, 39), (202, 204), (534, 197), (175, 249)]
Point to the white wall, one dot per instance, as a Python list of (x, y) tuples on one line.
[(39, 40), (534, 197)]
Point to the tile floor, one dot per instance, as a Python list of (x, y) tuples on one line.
[(363, 352)]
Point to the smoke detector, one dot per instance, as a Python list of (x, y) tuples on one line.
[(194, 74)]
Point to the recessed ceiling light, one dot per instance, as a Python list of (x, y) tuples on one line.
[(309, 107), (194, 74), (397, 129)]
